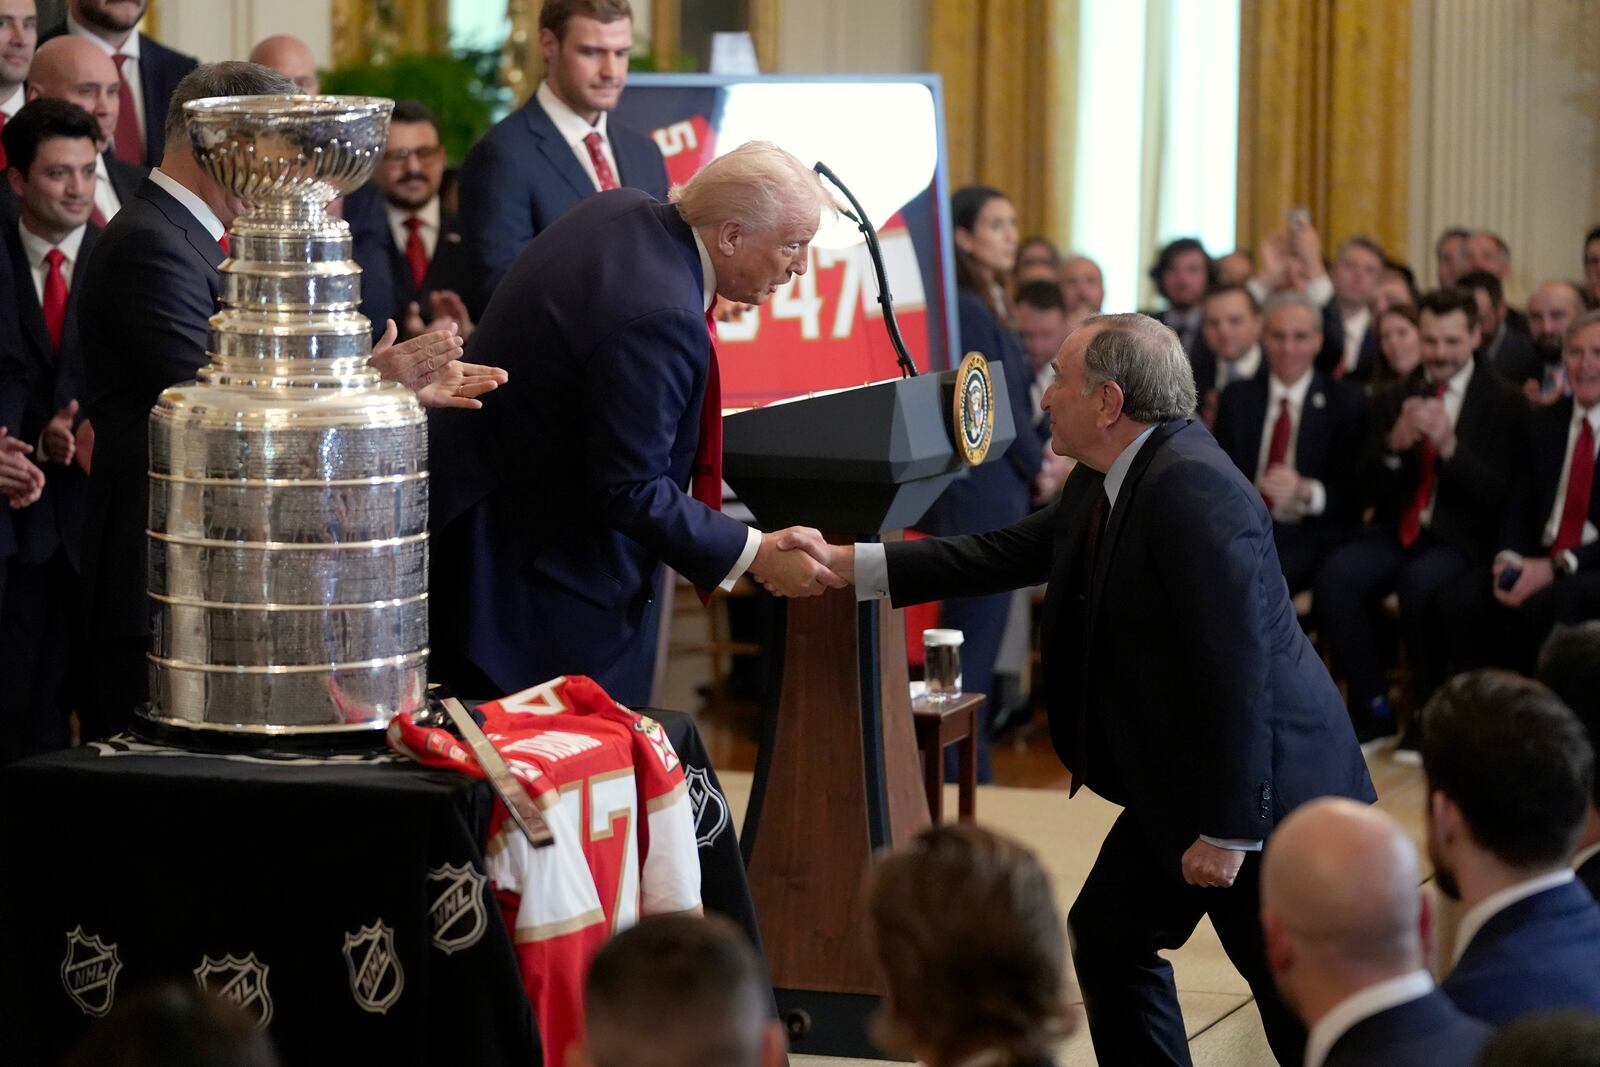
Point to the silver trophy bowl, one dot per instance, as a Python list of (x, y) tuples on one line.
[(288, 483)]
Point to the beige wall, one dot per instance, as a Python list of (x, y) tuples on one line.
[(225, 29), (852, 37), (1506, 129)]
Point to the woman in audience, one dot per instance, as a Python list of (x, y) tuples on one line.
[(1399, 342), (972, 952)]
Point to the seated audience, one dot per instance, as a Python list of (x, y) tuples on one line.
[(679, 991), (1569, 664), (1399, 342), (1082, 286), (1450, 256), (1510, 352), (1297, 434), (1509, 774), (1554, 1039), (1037, 260), (1349, 343), (1346, 928), (1182, 273), (1551, 309), (1230, 348), (972, 951)]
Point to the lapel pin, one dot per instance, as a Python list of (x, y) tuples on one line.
[(1318, 400)]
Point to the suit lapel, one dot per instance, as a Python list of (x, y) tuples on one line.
[(1125, 502), (198, 236), (33, 324), (1256, 390), (556, 150), (1312, 433), (1472, 403)]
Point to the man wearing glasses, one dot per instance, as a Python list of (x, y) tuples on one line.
[(427, 258)]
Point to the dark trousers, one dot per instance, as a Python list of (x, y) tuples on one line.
[(1481, 632), (115, 683), (1134, 905), (1301, 552), (1350, 589), (36, 634), (982, 621)]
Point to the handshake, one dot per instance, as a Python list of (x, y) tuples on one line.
[(798, 562)]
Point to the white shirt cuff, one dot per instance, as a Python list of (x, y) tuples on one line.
[(1572, 561), (1237, 844), (752, 544), (1319, 498), (872, 571)]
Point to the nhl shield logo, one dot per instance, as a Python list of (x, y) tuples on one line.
[(243, 981), (456, 918), (89, 972), (709, 807), (375, 975)]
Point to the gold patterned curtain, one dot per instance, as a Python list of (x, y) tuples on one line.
[(998, 59), (1324, 117), (373, 30)]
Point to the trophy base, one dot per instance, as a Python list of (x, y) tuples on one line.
[(266, 741)]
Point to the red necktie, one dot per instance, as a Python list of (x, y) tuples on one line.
[(98, 217), (1411, 522), (602, 169), (223, 243), (416, 252), (705, 484), (1278, 450), (1580, 481), (55, 297), (127, 144)]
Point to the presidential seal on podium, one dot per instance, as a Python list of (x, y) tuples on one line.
[(973, 418)]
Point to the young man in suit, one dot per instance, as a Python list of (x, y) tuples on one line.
[(1182, 273), (601, 458), (1177, 682), (51, 151), (1230, 329), (149, 71), (1509, 774), (1569, 664), (1297, 434), (558, 147), (1439, 463), (1349, 332), (19, 33), (72, 69), (426, 256), (1346, 927)]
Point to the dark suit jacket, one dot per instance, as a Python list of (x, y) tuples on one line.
[(1515, 358), (994, 494), (1204, 710), (1589, 875), (1474, 487), (1540, 954), (160, 70), (1427, 1032), (16, 383), (370, 240), (1333, 346), (1328, 444), (125, 177), (552, 506), (1533, 495), (447, 269), (147, 295), (521, 176), (55, 521)]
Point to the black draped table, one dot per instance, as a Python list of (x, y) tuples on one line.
[(339, 900)]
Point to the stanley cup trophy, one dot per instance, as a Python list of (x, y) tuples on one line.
[(289, 484)]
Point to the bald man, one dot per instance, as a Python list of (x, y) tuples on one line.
[(1345, 924), (291, 57), (79, 72)]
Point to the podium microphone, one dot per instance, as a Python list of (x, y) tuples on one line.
[(908, 369)]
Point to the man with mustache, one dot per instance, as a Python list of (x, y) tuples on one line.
[(558, 148)]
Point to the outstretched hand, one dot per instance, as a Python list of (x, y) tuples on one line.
[(430, 365), (795, 562)]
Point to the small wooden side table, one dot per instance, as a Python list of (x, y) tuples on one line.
[(953, 722)]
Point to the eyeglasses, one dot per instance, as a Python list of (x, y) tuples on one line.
[(425, 154)]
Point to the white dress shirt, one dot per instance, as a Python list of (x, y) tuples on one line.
[(1355, 332), (1495, 903), (1241, 369), (1373, 1000), (36, 248), (573, 128), (1553, 525), (1291, 510), (13, 103), (1454, 393), (105, 197), (130, 65), (429, 230), (196, 207)]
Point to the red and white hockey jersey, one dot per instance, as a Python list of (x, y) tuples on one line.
[(608, 783)]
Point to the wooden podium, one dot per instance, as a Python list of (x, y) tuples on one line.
[(838, 777)]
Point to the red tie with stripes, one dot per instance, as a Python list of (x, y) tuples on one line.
[(705, 484), (126, 144), (1580, 483)]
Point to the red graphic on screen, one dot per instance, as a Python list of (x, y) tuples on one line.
[(686, 146)]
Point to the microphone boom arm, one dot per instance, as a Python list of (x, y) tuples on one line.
[(908, 369)]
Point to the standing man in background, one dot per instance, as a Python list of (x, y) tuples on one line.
[(149, 70), (558, 147)]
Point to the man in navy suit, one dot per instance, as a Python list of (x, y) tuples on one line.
[(51, 151), (150, 71), (1230, 348), (79, 72), (1298, 435), (1177, 680), (1509, 774), (1345, 920), (553, 509), (1569, 664), (558, 147)]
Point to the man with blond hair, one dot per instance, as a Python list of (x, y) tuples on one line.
[(601, 459), (1345, 924)]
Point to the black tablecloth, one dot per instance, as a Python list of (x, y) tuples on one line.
[(344, 897)]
